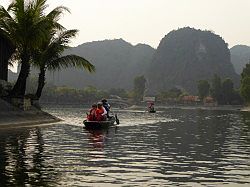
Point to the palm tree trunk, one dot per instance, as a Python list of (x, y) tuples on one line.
[(41, 82), (20, 86)]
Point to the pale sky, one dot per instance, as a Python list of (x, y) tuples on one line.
[(148, 21)]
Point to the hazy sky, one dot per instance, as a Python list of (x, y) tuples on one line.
[(148, 21)]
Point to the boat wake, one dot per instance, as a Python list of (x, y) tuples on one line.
[(143, 121)]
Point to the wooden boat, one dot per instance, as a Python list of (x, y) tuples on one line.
[(100, 124), (152, 111)]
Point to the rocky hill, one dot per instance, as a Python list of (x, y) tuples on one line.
[(240, 56), (117, 63), (186, 56)]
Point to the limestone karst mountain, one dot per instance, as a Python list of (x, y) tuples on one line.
[(117, 63), (240, 56), (186, 56)]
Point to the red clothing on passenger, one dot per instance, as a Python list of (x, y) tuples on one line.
[(92, 114), (99, 112)]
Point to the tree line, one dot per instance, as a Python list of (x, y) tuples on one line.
[(245, 83), (221, 90), (87, 95)]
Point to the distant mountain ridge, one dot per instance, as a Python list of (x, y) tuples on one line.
[(186, 56), (183, 57), (117, 63), (240, 56)]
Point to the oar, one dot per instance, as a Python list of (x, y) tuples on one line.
[(117, 120)]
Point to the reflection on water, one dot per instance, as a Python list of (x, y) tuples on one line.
[(168, 148)]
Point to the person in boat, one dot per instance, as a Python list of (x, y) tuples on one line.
[(91, 116), (101, 113), (106, 105), (151, 106)]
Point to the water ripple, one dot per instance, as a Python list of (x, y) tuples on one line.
[(169, 148)]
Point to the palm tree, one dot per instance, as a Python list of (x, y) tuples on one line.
[(25, 24), (50, 57), (6, 51)]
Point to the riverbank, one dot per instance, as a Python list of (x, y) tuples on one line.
[(11, 116)]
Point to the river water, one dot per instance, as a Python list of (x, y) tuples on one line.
[(172, 147)]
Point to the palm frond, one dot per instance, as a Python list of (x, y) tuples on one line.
[(55, 15), (64, 37), (57, 12), (39, 7), (54, 47), (71, 61), (16, 5), (4, 13)]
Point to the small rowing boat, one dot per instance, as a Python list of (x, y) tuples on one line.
[(152, 111), (101, 124)]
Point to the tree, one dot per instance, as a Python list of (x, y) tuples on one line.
[(25, 24), (203, 88), (171, 95), (227, 90), (139, 88), (216, 88), (246, 71), (245, 83), (175, 92), (49, 57), (6, 51), (245, 88)]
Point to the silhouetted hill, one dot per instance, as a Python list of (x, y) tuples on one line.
[(187, 55), (117, 62), (240, 56)]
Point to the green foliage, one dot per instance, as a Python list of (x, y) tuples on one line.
[(246, 71), (26, 26), (174, 92), (49, 56), (227, 90), (203, 88), (139, 88), (38, 38), (215, 90), (245, 89), (245, 83), (6, 51), (170, 95), (67, 95), (224, 92)]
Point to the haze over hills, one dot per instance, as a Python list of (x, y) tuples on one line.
[(240, 56), (183, 57), (186, 56), (117, 63)]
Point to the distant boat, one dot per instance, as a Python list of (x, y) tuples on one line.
[(151, 108), (101, 124), (152, 111)]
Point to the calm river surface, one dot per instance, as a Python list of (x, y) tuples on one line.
[(172, 147)]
